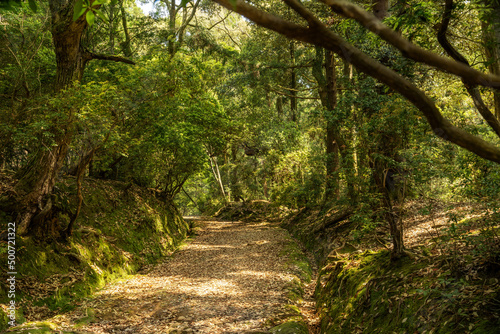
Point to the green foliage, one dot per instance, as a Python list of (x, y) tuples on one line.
[(170, 128), (12, 5), (91, 9), (365, 292)]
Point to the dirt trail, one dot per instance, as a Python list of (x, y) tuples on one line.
[(229, 279)]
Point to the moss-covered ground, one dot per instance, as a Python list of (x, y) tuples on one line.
[(447, 283), (121, 229), (367, 293)]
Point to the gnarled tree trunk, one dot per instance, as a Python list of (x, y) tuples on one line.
[(37, 179)]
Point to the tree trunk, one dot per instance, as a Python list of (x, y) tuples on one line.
[(332, 131), (380, 8), (387, 145), (82, 167), (127, 50), (334, 142), (37, 180), (293, 84), (395, 228), (216, 174), (111, 27), (348, 153), (236, 194), (172, 14), (66, 35), (279, 106)]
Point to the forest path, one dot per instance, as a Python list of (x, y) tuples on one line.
[(230, 278)]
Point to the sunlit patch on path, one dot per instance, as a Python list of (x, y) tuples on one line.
[(229, 279)]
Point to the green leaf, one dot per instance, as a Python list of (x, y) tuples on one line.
[(99, 2), (184, 3), (33, 6), (78, 10), (99, 13), (90, 17)]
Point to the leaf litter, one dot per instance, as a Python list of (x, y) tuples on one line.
[(230, 279)]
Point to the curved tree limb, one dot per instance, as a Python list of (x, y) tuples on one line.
[(92, 56), (318, 34), (473, 90), (410, 50)]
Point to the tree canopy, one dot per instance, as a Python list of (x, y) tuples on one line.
[(303, 103)]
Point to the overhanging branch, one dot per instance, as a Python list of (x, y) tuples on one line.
[(318, 34), (410, 50)]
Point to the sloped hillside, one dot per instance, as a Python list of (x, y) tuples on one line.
[(447, 282), (121, 229)]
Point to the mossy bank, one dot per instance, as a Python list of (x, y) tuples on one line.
[(443, 285), (121, 229)]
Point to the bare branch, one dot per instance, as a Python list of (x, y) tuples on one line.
[(186, 19), (216, 23)]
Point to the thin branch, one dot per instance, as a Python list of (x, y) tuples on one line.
[(473, 90), (216, 23), (229, 34)]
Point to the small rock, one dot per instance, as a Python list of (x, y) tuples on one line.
[(181, 318)]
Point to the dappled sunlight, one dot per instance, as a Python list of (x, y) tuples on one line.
[(229, 279), (420, 228), (210, 247)]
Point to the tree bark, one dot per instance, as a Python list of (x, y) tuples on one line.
[(172, 14), (293, 84), (216, 174), (236, 194), (332, 130), (380, 8), (66, 35), (127, 50), (37, 180), (279, 106), (335, 143)]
